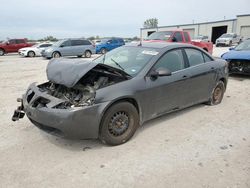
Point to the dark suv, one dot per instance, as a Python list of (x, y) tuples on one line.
[(109, 44), (70, 47)]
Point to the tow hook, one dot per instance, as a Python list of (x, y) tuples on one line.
[(18, 113)]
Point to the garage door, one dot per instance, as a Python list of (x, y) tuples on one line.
[(191, 32), (245, 31)]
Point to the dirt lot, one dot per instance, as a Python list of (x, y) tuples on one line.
[(202, 146)]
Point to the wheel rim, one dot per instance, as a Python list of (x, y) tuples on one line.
[(31, 54), (56, 55), (217, 94), (103, 51), (1, 52), (118, 124), (88, 54)]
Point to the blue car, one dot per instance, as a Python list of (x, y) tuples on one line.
[(238, 58), (106, 45)]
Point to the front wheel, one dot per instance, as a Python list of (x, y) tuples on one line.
[(119, 123), (103, 51), (56, 55), (217, 94), (31, 54)]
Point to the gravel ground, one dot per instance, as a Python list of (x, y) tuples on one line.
[(202, 146)]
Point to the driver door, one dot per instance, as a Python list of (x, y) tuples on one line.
[(167, 93)]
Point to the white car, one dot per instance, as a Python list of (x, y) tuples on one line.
[(33, 50), (228, 39)]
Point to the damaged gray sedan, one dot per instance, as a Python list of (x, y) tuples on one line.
[(111, 96)]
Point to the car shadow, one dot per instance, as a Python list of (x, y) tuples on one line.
[(167, 117), (90, 144), (240, 77)]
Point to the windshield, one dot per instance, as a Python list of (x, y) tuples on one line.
[(163, 35), (129, 59), (226, 36), (243, 46)]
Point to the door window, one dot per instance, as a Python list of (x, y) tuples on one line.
[(172, 61), (178, 37), (66, 43), (194, 56)]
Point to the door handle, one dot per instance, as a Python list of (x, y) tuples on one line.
[(212, 68), (185, 76)]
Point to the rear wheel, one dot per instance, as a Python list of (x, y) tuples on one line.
[(230, 43), (56, 55), (1, 52), (119, 123), (31, 54), (217, 94), (87, 54)]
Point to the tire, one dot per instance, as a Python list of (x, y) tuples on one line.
[(31, 54), (230, 43), (217, 94), (217, 45), (2, 52), (56, 55), (119, 124), (103, 51), (87, 54), (79, 56)]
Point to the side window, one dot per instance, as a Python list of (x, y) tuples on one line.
[(45, 45), (178, 37), (66, 43), (18, 41), (194, 56), (172, 61), (76, 42), (86, 42), (115, 41), (186, 36), (12, 41), (207, 58)]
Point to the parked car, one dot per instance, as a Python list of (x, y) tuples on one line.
[(201, 38), (111, 96), (70, 47), (34, 50), (179, 36), (228, 39), (109, 44), (13, 45), (239, 58)]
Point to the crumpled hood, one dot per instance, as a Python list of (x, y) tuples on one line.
[(234, 54), (68, 72)]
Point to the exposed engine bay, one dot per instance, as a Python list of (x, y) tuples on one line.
[(84, 91), (239, 66)]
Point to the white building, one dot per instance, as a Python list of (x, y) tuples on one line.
[(240, 25)]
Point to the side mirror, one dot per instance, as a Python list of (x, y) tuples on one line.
[(7, 43), (232, 48), (160, 72), (174, 39), (62, 46)]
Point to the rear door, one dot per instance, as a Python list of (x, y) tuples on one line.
[(77, 47), (12, 46), (202, 76)]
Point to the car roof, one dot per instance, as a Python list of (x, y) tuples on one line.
[(159, 45)]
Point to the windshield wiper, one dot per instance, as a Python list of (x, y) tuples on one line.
[(117, 64)]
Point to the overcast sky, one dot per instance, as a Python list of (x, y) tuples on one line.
[(35, 19)]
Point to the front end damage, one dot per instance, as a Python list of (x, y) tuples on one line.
[(68, 105), (239, 66)]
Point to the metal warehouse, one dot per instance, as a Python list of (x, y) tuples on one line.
[(240, 25)]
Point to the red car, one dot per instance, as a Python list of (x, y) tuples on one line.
[(13, 45), (179, 36)]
